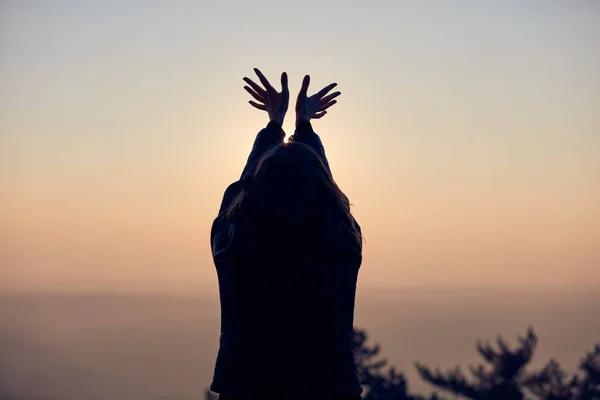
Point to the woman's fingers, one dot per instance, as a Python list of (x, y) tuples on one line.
[(263, 80), (327, 105), (319, 114), (254, 94), (330, 97), (257, 88), (304, 87), (257, 105), (284, 83), (326, 89)]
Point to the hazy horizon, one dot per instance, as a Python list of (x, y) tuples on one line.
[(99, 347), (211, 290)]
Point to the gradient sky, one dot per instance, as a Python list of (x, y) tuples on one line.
[(467, 135)]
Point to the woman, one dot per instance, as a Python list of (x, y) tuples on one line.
[(287, 253)]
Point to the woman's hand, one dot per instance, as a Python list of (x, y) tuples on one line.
[(273, 102), (315, 105)]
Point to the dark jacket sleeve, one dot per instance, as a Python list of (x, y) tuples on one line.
[(267, 138), (218, 231), (270, 136), (305, 134)]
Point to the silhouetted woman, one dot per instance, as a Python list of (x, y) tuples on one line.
[(287, 253)]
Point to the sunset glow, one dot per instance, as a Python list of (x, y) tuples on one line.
[(470, 150)]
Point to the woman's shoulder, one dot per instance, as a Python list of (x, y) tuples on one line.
[(341, 242), (221, 225)]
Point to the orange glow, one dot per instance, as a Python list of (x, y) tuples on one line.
[(465, 166)]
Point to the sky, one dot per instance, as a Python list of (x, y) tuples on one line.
[(467, 136)]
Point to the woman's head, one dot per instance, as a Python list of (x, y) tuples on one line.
[(291, 186)]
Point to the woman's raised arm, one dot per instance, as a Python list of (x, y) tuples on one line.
[(312, 107), (271, 136), (275, 104), (305, 134)]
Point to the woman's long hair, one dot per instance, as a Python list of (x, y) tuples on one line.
[(292, 193)]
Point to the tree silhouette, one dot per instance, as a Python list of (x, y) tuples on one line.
[(589, 384), (502, 377), (501, 380), (553, 383), (505, 377), (379, 383)]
